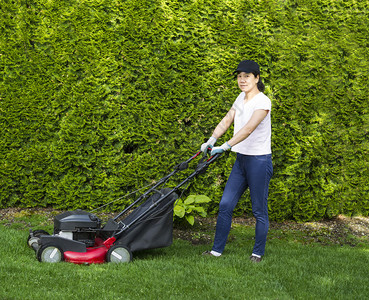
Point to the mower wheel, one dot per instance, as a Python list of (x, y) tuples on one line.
[(36, 236), (118, 254), (50, 254)]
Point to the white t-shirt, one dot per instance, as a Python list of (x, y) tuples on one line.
[(259, 141)]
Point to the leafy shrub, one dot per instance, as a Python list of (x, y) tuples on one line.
[(191, 207)]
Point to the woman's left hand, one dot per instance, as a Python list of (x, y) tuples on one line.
[(220, 149)]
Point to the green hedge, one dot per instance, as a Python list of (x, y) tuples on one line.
[(99, 98)]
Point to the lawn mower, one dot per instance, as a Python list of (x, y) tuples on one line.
[(80, 237)]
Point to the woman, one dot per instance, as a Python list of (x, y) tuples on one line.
[(253, 168)]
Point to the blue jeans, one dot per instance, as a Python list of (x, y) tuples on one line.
[(253, 172)]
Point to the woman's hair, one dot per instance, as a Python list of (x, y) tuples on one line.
[(260, 84)]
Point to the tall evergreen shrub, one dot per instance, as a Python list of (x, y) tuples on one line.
[(99, 98)]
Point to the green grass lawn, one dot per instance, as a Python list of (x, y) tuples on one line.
[(291, 269)]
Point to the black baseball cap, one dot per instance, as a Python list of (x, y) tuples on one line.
[(248, 66)]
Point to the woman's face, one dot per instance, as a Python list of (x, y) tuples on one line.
[(247, 82)]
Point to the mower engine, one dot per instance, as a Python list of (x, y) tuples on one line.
[(73, 231), (77, 225)]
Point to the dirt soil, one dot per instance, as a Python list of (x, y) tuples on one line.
[(341, 230)]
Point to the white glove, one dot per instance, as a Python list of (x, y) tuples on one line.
[(210, 143), (220, 149)]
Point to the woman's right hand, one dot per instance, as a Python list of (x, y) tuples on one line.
[(209, 144)]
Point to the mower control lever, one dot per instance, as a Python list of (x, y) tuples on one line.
[(204, 163)]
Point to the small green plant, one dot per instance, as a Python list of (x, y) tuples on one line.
[(190, 207)]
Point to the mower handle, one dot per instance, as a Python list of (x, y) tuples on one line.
[(214, 157), (180, 167), (201, 168)]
